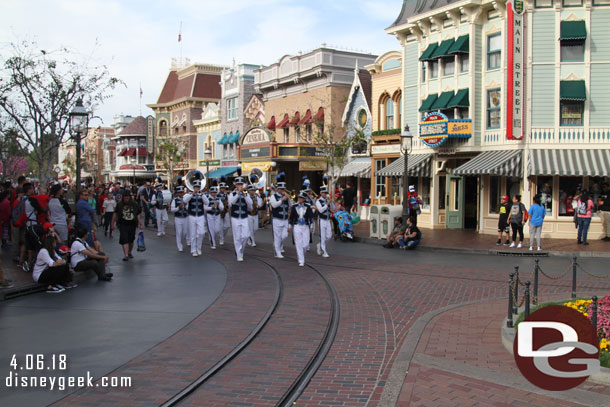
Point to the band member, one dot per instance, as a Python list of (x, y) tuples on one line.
[(280, 209), (301, 220), (240, 204), (181, 217), (160, 209), (213, 210), (324, 206), (311, 201), (196, 202), (257, 202), (224, 219)]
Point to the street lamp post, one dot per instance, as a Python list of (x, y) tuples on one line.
[(79, 121), (406, 145), (207, 154)]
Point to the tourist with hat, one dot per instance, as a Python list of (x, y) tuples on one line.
[(257, 202), (280, 210), (181, 215), (325, 207), (196, 202), (301, 221), (213, 209), (127, 217), (414, 203), (503, 226), (240, 205), (158, 202)]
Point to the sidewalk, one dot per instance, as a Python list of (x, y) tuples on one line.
[(464, 240)]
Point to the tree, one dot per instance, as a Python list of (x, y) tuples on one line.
[(12, 160), (39, 88), (169, 152)]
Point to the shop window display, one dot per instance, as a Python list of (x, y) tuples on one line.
[(494, 194), (424, 193), (442, 191), (545, 189), (570, 189)]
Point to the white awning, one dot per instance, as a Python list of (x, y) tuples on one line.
[(419, 166), (359, 167), (570, 163), (507, 163)]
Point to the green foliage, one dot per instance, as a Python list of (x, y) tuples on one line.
[(386, 132), (169, 152)]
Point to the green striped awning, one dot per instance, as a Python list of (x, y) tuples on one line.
[(572, 90), (570, 163), (573, 30), (224, 139), (428, 102), (506, 163), (426, 55), (442, 101), (419, 166), (460, 99), (443, 49), (460, 46)]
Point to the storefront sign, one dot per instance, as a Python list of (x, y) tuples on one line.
[(229, 164), (446, 151), (255, 152), (210, 163), (262, 165), (437, 127), (312, 166), (385, 149), (256, 135), (311, 152), (515, 80)]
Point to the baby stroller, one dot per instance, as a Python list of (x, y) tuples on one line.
[(346, 230)]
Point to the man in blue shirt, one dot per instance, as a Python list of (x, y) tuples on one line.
[(537, 213), (84, 214)]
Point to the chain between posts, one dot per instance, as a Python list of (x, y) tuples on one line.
[(589, 273)]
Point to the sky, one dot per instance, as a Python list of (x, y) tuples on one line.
[(137, 39)]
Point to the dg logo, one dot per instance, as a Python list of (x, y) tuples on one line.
[(556, 348)]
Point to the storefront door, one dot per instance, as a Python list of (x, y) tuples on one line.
[(455, 202)]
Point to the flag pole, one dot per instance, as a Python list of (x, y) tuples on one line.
[(180, 43)]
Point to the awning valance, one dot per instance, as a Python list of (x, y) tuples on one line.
[(307, 118), (428, 102), (427, 54), (295, 119), (506, 163), (271, 124), (443, 49), (570, 163), (284, 122), (573, 30), (359, 167), (419, 166), (572, 90), (460, 46), (442, 101), (223, 172), (460, 99)]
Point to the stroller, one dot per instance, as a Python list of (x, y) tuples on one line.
[(346, 230)]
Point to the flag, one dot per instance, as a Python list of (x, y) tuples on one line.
[(141, 93), (180, 32)]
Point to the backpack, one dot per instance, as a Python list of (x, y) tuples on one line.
[(18, 217), (581, 209)]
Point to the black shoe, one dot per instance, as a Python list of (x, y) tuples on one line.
[(579, 242), (104, 278), (110, 275), (130, 256), (125, 258), (499, 242), (507, 243), (606, 239), (586, 243)]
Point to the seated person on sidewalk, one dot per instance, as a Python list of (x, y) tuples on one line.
[(85, 258), (397, 232), (51, 269), (412, 235)]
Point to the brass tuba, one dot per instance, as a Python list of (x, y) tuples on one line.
[(257, 178), (192, 176)]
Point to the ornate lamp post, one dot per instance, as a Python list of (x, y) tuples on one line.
[(79, 122), (208, 155), (406, 145)]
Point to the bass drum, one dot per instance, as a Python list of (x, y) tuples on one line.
[(167, 197)]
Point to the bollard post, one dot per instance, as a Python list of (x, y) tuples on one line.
[(509, 322), (516, 292), (536, 269), (527, 299), (574, 277), (594, 317)]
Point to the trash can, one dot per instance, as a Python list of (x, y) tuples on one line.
[(387, 213), (374, 221)]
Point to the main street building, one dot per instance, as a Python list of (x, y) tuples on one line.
[(505, 102)]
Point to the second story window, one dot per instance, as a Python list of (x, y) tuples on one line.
[(494, 51), (389, 114), (163, 128), (232, 109)]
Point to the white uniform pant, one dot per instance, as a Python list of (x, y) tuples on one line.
[(252, 226), (241, 233), (214, 226), (162, 219), (197, 230), (301, 241), (326, 232), (181, 225), (280, 232), (226, 225)]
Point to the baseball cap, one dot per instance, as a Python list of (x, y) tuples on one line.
[(505, 197), (47, 225)]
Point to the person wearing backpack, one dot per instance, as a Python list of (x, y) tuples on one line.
[(414, 203), (584, 208), (516, 219), (28, 210)]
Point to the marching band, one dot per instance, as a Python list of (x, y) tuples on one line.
[(197, 212)]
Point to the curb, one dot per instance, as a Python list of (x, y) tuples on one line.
[(526, 253), (33, 288)]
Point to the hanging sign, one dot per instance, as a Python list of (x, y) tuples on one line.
[(515, 80)]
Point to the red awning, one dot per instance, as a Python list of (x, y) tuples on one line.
[(319, 117), (142, 151), (271, 125), (131, 152), (284, 122), (307, 118), (295, 119), (122, 153)]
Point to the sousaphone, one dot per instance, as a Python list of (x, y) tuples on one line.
[(257, 178), (192, 176)]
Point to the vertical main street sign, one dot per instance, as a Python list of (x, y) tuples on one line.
[(515, 94)]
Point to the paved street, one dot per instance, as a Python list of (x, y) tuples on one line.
[(415, 328)]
